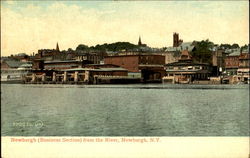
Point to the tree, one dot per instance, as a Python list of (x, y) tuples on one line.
[(117, 46), (70, 50), (203, 51), (228, 46), (225, 46), (235, 45), (82, 47), (244, 47)]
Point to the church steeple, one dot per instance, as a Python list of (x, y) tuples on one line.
[(57, 47), (139, 42)]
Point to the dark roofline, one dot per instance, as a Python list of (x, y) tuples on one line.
[(63, 61), (186, 63), (134, 55), (101, 65)]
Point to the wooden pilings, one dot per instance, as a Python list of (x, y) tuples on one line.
[(86, 77), (54, 77), (33, 78), (65, 77), (62, 77), (76, 76)]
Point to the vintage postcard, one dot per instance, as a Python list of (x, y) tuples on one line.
[(165, 79)]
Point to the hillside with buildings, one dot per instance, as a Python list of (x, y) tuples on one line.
[(182, 62)]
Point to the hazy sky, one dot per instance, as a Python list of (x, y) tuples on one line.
[(27, 26)]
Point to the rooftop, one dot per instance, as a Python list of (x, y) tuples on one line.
[(13, 63), (100, 69), (233, 52), (184, 46), (134, 54), (185, 63), (61, 61)]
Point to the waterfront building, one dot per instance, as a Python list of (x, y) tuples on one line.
[(97, 75), (93, 57), (186, 71), (59, 65), (134, 62), (80, 76), (56, 65), (150, 67), (232, 61), (243, 71), (7, 64), (218, 61), (13, 70), (172, 54)]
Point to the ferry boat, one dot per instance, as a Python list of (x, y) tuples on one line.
[(13, 75)]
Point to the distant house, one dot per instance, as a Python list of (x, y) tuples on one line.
[(49, 54), (218, 57), (172, 54), (10, 64), (188, 70), (218, 60), (12, 70), (21, 57), (232, 61), (243, 71), (93, 58)]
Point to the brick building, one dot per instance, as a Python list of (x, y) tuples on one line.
[(232, 62), (22, 57), (56, 65), (218, 58), (48, 54), (172, 54), (243, 71), (150, 67), (134, 62), (186, 71), (218, 61), (94, 58)]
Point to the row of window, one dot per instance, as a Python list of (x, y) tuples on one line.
[(187, 68)]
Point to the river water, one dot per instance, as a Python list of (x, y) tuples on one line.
[(125, 110)]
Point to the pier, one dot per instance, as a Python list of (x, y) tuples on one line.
[(80, 76)]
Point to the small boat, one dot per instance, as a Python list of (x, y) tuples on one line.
[(8, 79)]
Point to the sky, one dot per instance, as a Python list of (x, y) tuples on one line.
[(27, 26)]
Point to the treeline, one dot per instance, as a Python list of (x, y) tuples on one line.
[(203, 50), (117, 46), (201, 53), (233, 46)]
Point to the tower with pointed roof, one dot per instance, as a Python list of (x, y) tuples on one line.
[(57, 47), (139, 42)]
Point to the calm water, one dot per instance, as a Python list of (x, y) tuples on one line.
[(125, 110)]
